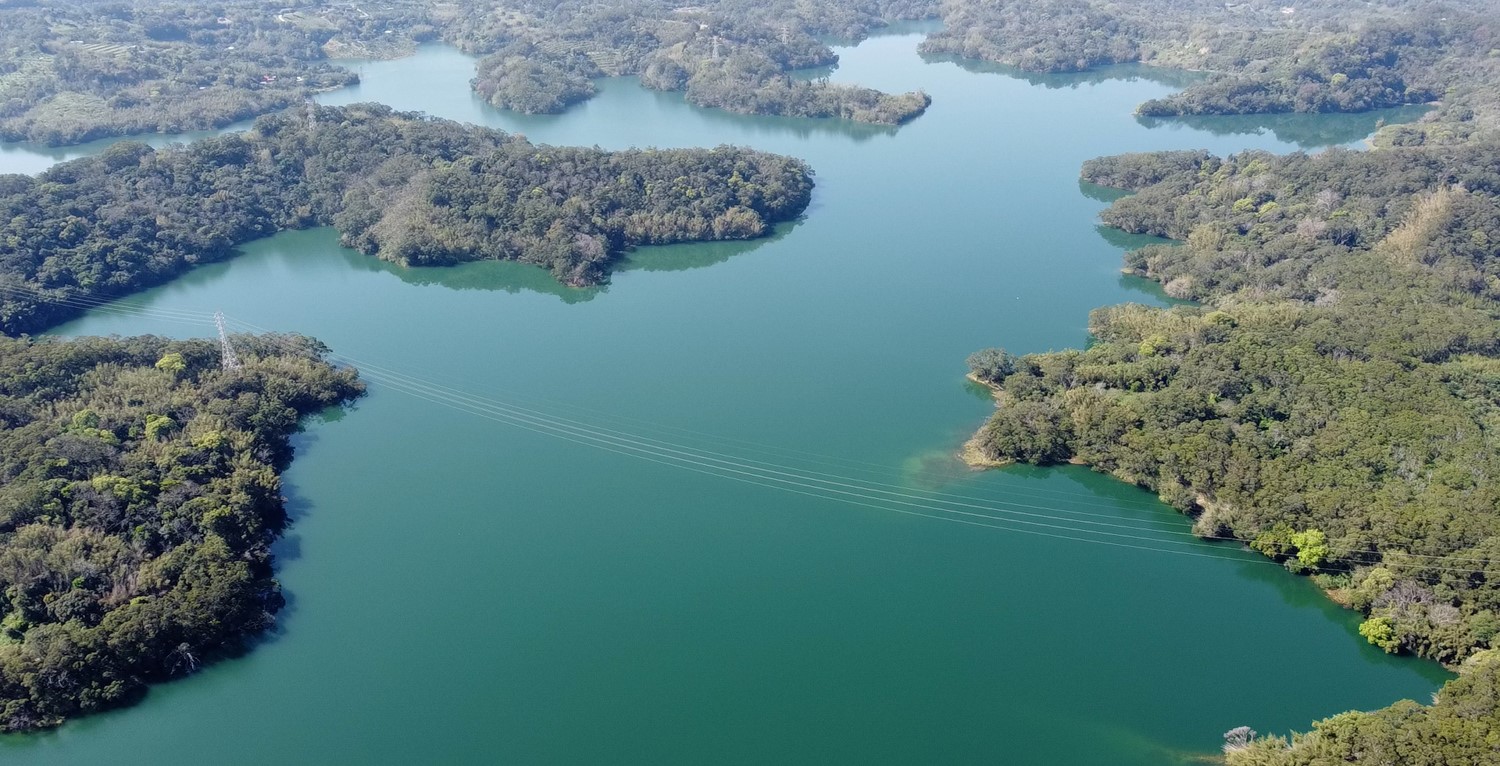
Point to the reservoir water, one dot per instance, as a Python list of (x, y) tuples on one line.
[(465, 591)]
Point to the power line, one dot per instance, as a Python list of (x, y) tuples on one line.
[(173, 315), (779, 473), (820, 484), (420, 394)]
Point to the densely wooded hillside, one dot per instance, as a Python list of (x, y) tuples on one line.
[(139, 498)]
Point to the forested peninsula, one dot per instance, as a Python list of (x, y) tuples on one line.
[(139, 498), (1334, 403), (1259, 58), (400, 186)]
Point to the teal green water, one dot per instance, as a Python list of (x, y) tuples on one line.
[(465, 591)]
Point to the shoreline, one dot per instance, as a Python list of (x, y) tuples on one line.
[(972, 455)]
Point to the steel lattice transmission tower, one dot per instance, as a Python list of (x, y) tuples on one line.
[(227, 359)]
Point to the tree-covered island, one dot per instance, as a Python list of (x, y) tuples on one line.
[(400, 186)]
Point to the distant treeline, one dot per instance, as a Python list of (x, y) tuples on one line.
[(1339, 56), (397, 185), (139, 497), (619, 35), (727, 61), (73, 72), (70, 73)]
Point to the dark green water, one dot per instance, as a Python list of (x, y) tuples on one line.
[(465, 591)]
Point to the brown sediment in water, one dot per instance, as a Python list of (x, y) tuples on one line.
[(972, 454), (974, 457)]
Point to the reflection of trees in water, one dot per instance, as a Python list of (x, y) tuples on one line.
[(515, 277), (894, 29), (497, 276), (1150, 289), (1306, 130), (693, 255), (1176, 78), (667, 102), (1125, 242)]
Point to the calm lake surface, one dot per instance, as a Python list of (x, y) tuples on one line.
[(465, 591)]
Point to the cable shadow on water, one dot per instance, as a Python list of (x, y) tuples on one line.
[(1033, 511)]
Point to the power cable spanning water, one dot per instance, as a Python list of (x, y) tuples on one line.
[(820, 484), (108, 306), (847, 464), (1005, 515)]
